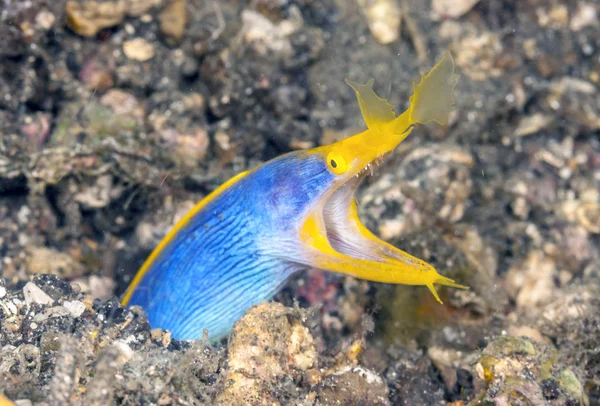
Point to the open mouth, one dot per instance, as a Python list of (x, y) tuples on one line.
[(344, 229), (338, 241)]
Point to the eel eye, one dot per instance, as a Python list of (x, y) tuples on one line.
[(337, 164)]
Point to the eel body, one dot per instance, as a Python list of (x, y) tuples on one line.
[(239, 245)]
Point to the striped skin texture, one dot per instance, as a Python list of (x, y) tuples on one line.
[(234, 253)]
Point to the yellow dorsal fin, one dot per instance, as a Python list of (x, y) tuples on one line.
[(433, 97), (374, 109), (432, 100)]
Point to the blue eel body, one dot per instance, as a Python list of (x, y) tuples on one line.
[(229, 257)]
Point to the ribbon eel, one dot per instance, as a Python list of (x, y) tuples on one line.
[(237, 247)]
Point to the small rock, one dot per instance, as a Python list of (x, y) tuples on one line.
[(190, 149), (188, 144), (34, 294), (99, 287), (189, 69), (55, 311), (584, 16), (98, 195), (568, 84), (44, 260), (556, 17), (76, 308), (531, 282), (588, 215), (532, 124), (45, 20), (529, 332), (506, 361), (138, 49), (161, 337), (264, 36), (172, 20), (193, 102), (224, 148), (88, 18), (124, 351), (96, 80), (477, 251), (445, 360), (444, 9), (273, 343), (384, 18), (136, 8), (476, 55), (353, 386), (570, 385), (124, 105)]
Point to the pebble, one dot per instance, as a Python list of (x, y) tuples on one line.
[(531, 282), (172, 20), (138, 49), (476, 55), (272, 345), (56, 311), (584, 16), (88, 18), (588, 215), (76, 308), (443, 9), (99, 287), (516, 370), (190, 148), (533, 124), (263, 36), (124, 104), (42, 260), (556, 17), (45, 20), (34, 294), (137, 8), (384, 18)]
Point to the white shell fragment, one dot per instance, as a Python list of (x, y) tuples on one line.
[(34, 294)]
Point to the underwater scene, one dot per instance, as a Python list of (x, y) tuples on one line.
[(299, 202)]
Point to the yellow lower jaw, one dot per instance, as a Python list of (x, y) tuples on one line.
[(409, 271), (386, 272)]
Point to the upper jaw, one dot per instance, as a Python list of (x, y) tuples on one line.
[(369, 167)]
